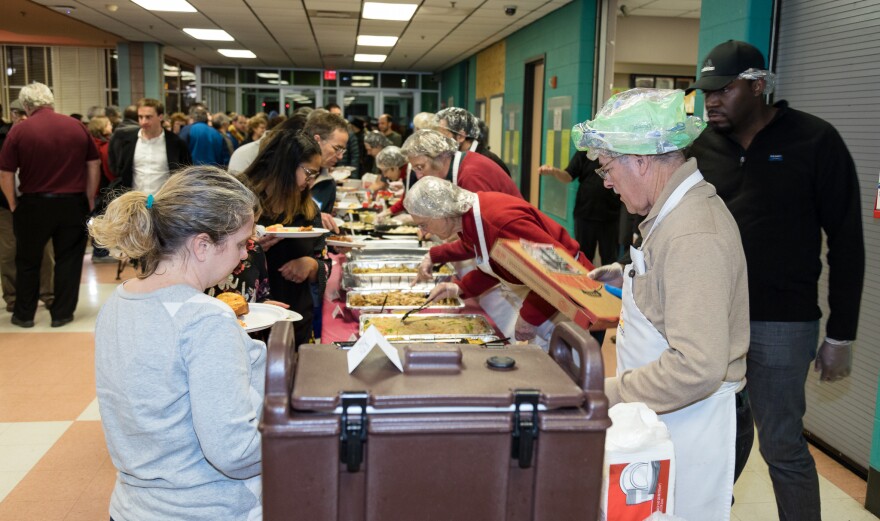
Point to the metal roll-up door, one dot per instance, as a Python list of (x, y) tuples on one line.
[(828, 64)]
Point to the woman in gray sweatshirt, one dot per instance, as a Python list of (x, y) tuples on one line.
[(179, 382)]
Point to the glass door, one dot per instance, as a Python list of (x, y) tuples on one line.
[(401, 105), (358, 103), (300, 97)]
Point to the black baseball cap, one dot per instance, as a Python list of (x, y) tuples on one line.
[(725, 62)]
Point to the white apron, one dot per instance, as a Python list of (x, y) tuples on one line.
[(474, 145), (504, 301), (704, 433)]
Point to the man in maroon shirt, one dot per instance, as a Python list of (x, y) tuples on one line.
[(478, 220), (58, 166)]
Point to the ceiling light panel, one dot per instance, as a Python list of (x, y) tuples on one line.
[(236, 53), (180, 6), (376, 41), (217, 35), (383, 11), (375, 58)]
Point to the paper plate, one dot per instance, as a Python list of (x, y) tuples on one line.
[(346, 244), (295, 233), (340, 175), (262, 316)]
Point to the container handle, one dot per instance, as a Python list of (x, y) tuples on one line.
[(280, 368), (568, 338)]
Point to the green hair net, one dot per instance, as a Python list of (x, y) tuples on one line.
[(638, 121)]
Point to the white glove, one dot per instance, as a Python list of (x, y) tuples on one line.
[(610, 274), (383, 215), (523, 330), (426, 270), (444, 290), (834, 359)]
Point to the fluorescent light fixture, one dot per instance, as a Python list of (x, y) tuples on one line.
[(217, 35), (237, 53), (180, 6), (382, 11), (360, 84), (279, 82), (377, 41), (268, 75), (378, 58), (363, 78)]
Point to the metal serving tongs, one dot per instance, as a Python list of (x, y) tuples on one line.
[(416, 310)]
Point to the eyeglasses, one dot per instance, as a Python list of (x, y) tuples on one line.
[(453, 132), (603, 171), (310, 174), (419, 167), (338, 150)]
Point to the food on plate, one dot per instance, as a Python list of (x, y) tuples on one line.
[(238, 304), (242, 323), (355, 226), (275, 227), (428, 325), (396, 298), (340, 238), (305, 228)]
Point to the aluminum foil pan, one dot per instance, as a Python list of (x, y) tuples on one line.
[(388, 279), (352, 296), (477, 325)]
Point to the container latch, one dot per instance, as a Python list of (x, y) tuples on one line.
[(353, 431), (525, 426)]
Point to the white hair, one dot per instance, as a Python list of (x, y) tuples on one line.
[(424, 120), (429, 143), (36, 95)]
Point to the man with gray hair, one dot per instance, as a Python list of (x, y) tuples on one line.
[(684, 326), (59, 170), (464, 128)]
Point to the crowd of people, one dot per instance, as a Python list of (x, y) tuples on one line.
[(704, 341)]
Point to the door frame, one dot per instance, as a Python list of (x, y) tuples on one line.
[(529, 127)]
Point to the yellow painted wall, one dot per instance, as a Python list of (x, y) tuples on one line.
[(490, 73)]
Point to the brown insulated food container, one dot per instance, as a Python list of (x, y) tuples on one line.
[(461, 434)]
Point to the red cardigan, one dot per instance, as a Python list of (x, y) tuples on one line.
[(506, 217), (476, 173)]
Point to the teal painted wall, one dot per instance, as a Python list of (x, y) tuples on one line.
[(455, 84), (154, 72), (566, 40), (721, 20), (471, 95)]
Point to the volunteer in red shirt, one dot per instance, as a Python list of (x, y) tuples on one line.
[(478, 220), (432, 154)]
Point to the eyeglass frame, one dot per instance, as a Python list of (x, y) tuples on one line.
[(338, 150), (603, 171), (310, 174)]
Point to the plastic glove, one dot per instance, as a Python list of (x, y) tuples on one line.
[(610, 274), (383, 215), (834, 359), (426, 270), (444, 290), (523, 330)]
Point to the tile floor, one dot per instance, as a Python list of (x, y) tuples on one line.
[(54, 464)]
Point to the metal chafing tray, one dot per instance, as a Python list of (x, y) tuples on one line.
[(375, 309), (482, 328), (390, 279)]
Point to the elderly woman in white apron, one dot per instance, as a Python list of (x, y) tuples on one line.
[(684, 328), (477, 220)]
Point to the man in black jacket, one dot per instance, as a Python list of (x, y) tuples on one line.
[(144, 157), (786, 176)]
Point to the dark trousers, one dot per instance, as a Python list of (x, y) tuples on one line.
[(589, 234), (35, 221), (745, 432)]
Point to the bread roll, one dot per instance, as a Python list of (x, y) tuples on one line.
[(238, 304)]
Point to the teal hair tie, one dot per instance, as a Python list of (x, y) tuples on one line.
[(149, 201)]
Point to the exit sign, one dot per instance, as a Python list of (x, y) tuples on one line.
[(329, 75)]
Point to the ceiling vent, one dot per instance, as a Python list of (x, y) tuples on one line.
[(339, 15)]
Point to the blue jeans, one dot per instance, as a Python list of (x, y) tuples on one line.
[(779, 360)]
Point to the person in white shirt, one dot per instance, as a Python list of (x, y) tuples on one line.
[(144, 158)]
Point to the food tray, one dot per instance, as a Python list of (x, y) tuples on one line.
[(375, 308), (481, 327), (492, 340), (390, 279)]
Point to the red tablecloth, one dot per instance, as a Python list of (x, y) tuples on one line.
[(344, 326)]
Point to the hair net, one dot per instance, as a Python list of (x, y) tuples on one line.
[(460, 121), (428, 143), (424, 120), (376, 140), (390, 157), (760, 74), (638, 121), (437, 198)]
